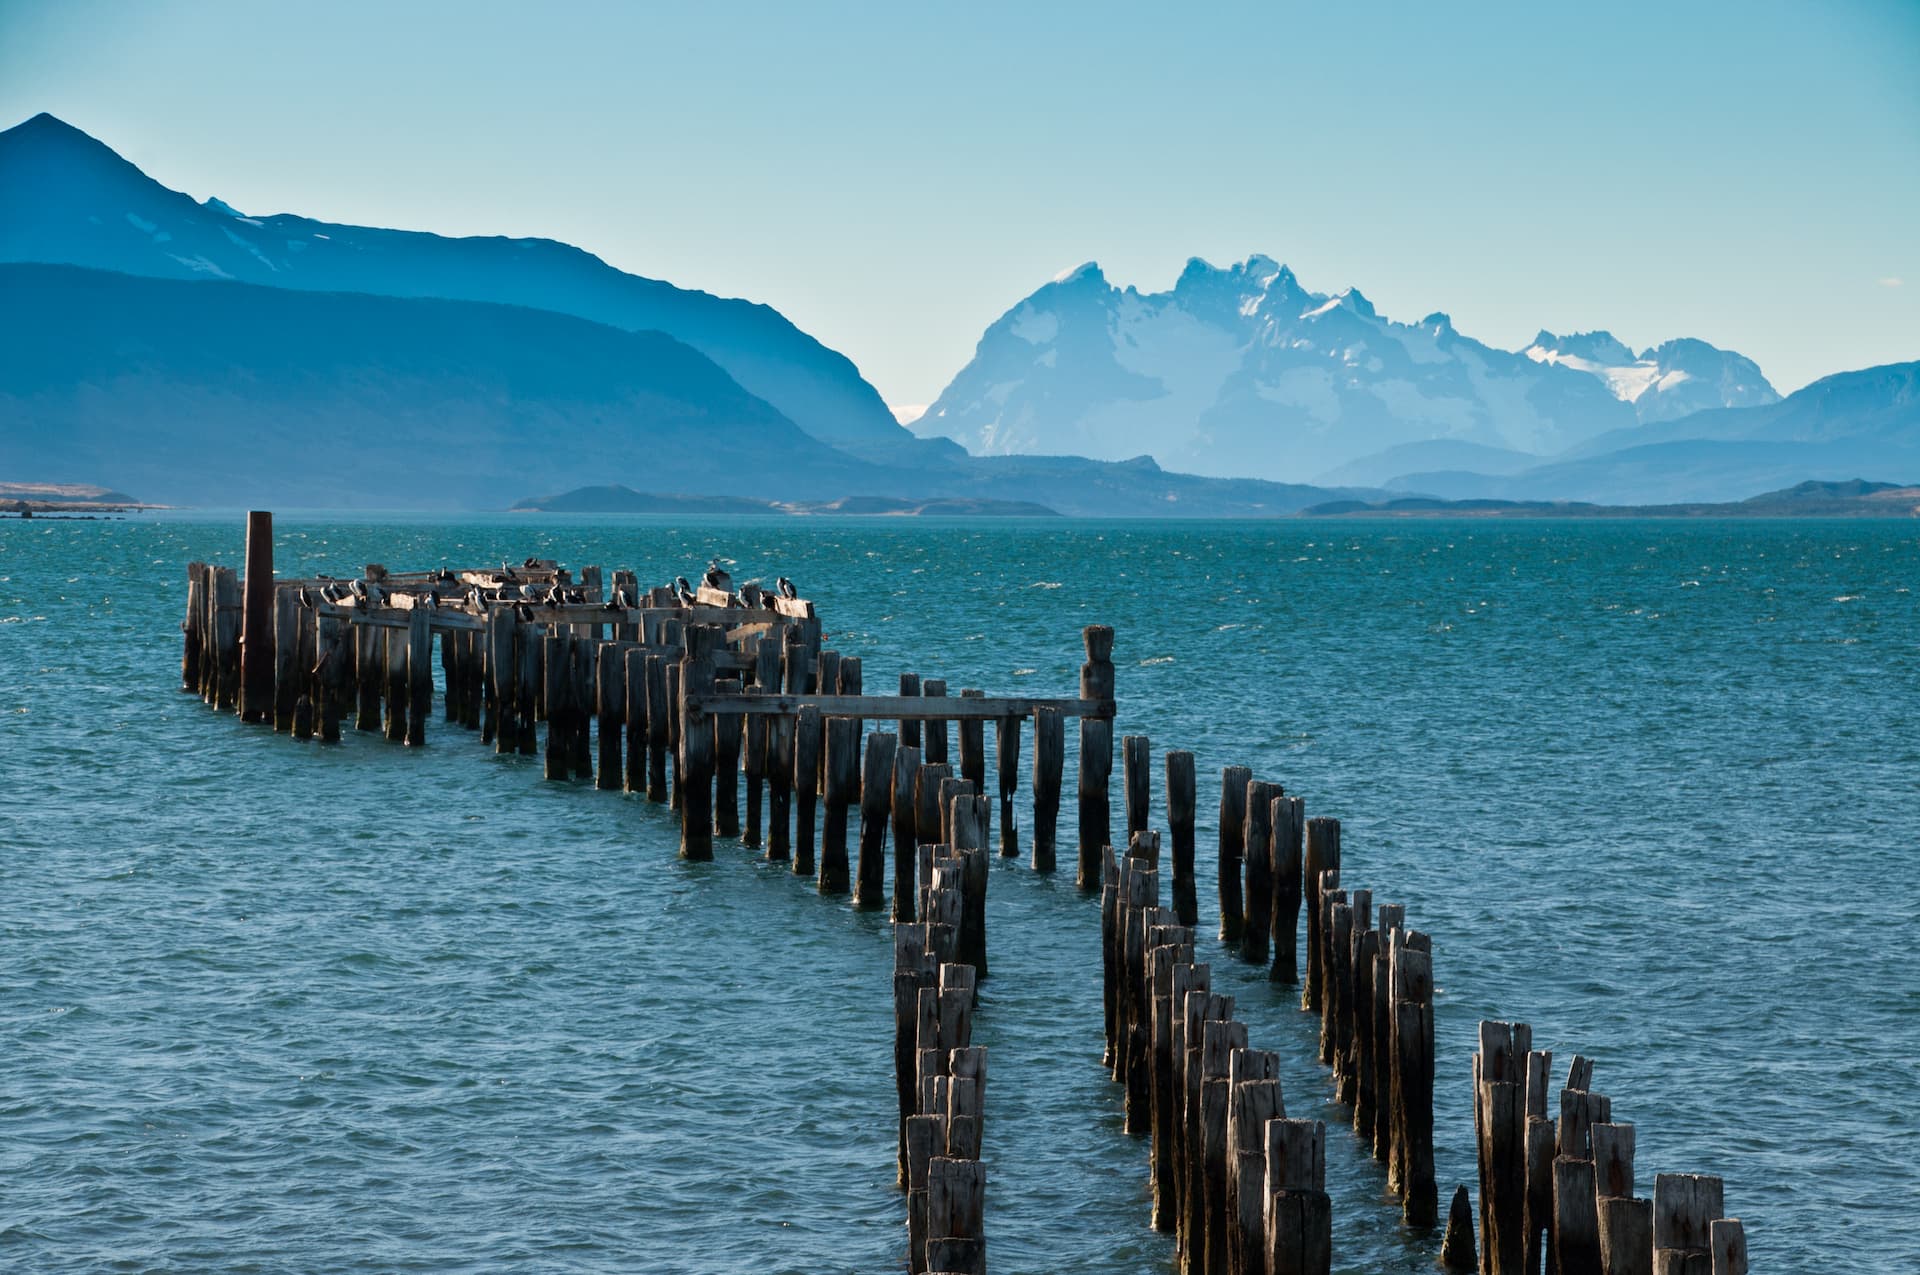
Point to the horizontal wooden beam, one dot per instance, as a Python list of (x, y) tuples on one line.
[(923, 708)]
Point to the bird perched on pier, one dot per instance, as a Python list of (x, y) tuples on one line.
[(359, 589), (680, 585), (306, 599), (684, 594), (786, 588), (476, 599), (618, 602), (433, 599)]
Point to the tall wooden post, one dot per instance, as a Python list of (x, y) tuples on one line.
[(256, 631), (696, 745), (1096, 754), (1049, 760), (1181, 802), (1233, 831), (419, 674), (876, 803)]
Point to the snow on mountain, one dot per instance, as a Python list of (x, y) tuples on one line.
[(1664, 382), (1242, 371)]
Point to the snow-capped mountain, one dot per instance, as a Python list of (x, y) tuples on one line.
[(1243, 371), (1664, 382)]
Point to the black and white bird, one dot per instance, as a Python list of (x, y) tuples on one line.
[(433, 599), (715, 578), (680, 585), (786, 588), (359, 588)]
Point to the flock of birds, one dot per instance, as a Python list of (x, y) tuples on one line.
[(525, 595)]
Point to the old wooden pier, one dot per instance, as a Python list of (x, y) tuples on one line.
[(685, 692)]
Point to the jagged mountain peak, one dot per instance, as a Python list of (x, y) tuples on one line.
[(1239, 365), (1086, 272)]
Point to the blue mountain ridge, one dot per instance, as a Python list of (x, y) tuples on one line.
[(70, 199)]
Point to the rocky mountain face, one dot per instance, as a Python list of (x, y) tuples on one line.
[(1664, 382), (66, 198), (1243, 371)]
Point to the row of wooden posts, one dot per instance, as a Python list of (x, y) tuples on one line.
[(940, 1074), (691, 695), (1213, 1108), (1241, 1186), (1557, 1194)]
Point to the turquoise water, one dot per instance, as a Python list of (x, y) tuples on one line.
[(1651, 786)]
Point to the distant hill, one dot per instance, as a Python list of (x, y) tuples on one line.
[(1241, 370), (1855, 498), (218, 393), (1849, 423), (620, 499), (67, 198)]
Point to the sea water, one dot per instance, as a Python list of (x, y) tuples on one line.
[(1653, 787)]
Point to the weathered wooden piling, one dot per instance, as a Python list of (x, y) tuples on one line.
[(191, 635), (1410, 995), (610, 708), (633, 686), (330, 665), (1181, 809), (285, 654), (1299, 1216), (1321, 855), (1287, 818), (1049, 761), (1096, 754), (225, 627), (1685, 1206), (419, 675), (728, 729), (1500, 1125), (781, 733), (256, 635), (397, 694), (842, 789), (1006, 757), (580, 700), (696, 745), (876, 794), (1233, 831), (1456, 1249), (370, 646), (809, 742), (1136, 780), (905, 822), (1256, 841), (660, 717)]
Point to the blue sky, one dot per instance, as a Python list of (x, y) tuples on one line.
[(893, 177)]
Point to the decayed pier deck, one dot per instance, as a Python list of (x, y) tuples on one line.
[(681, 692)]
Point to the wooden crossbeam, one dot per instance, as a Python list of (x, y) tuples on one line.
[(897, 707)]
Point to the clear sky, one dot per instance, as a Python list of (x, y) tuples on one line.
[(895, 176)]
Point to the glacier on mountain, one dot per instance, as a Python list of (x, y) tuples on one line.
[(1242, 371)]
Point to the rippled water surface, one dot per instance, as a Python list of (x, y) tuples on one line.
[(265, 1006)]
